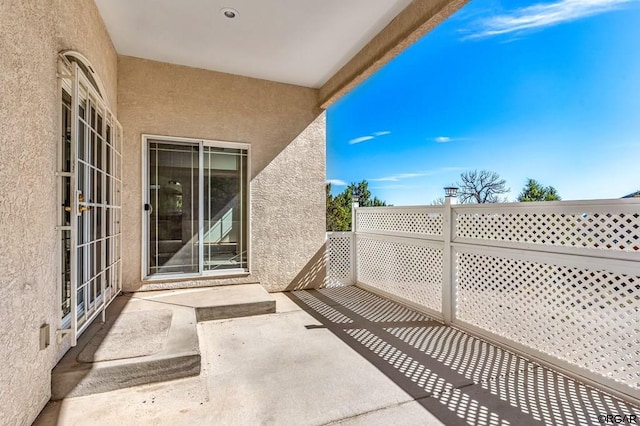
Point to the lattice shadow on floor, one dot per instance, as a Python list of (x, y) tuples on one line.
[(457, 377)]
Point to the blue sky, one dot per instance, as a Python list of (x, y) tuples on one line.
[(547, 90)]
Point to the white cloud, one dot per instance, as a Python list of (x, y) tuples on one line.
[(542, 15), (336, 182), (447, 139), (369, 137), (360, 139)]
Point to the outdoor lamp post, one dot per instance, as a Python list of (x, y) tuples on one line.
[(450, 191), (355, 203), (355, 196), (448, 281)]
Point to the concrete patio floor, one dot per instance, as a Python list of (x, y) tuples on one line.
[(345, 356)]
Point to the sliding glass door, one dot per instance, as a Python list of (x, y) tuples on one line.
[(196, 207)]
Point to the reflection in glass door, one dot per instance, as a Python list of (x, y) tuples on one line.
[(174, 178), (225, 185), (196, 207)]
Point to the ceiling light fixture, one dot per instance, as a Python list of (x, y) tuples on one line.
[(228, 12)]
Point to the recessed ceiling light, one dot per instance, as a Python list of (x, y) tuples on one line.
[(228, 12)]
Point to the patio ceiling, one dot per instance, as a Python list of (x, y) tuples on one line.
[(290, 41)]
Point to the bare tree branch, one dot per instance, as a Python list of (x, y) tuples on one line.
[(481, 187)]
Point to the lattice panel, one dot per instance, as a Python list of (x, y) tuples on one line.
[(607, 231), (339, 260), (588, 317), (414, 222), (413, 272)]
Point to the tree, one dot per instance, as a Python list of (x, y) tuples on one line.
[(338, 215), (481, 187), (364, 195), (339, 207), (534, 191)]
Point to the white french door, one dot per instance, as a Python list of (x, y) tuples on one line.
[(90, 214)]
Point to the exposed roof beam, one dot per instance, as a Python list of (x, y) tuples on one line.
[(417, 19)]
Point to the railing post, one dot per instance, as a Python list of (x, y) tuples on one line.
[(448, 263), (355, 203)]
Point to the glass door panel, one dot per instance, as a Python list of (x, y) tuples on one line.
[(224, 235), (174, 180)]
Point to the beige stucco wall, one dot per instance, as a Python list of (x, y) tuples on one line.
[(31, 35), (286, 131), (282, 123)]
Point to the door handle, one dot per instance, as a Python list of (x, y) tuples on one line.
[(148, 208), (81, 209)]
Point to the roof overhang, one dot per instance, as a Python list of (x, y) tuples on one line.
[(330, 45)]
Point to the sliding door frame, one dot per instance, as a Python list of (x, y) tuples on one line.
[(146, 199)]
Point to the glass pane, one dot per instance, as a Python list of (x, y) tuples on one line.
[(66, 273), (108, 255), (173, 221), (66, 201), (66, 131), (99, 142), (80, 296), (82, 129), (225, 211), (107, 164), (98, 186), (80, 275)]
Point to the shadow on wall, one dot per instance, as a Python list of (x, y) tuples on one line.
[(282, 122), (313, 274), (458, 378)]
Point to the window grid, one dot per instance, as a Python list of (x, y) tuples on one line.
[(89, 186)]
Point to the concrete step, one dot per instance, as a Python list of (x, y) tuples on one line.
[(141, 342), (214, 303), (150, 337)]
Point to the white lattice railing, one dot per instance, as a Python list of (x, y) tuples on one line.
[(402, 221), (399, 252), (339, 257), (559, 281), (610, 227)]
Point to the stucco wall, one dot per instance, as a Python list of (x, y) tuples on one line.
[(31, 35), (287, 164)]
